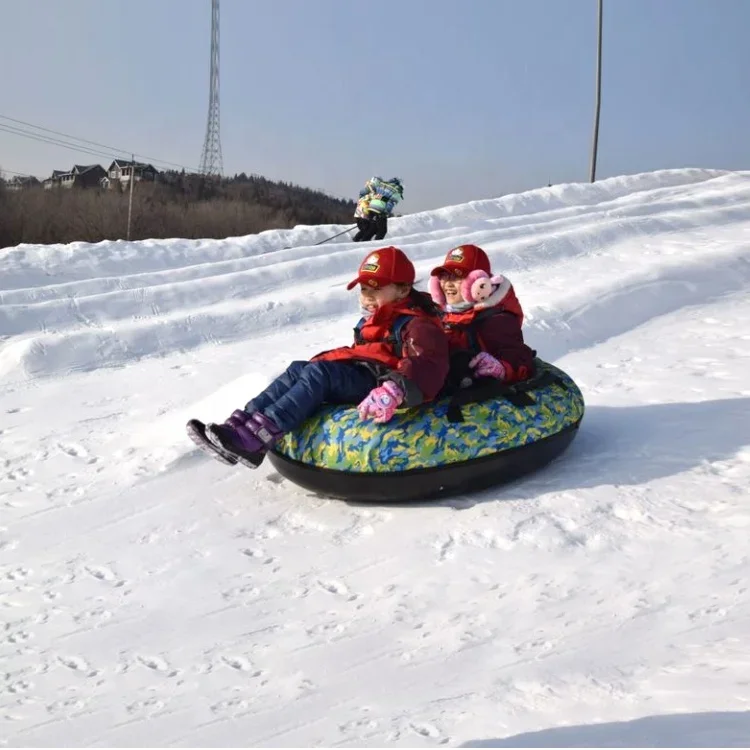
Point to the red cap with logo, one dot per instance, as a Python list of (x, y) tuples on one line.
[(462, 260), (389, 265)]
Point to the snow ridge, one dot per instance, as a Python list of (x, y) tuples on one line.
[(104, 320), (152, 596)]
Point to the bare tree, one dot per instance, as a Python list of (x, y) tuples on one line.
[(179, 205)]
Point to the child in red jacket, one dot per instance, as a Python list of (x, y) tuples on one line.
[(481, 315), (400, 356)]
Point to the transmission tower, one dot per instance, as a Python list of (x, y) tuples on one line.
[(211, 161)]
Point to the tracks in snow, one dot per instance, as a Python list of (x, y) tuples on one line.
[(92, 325)]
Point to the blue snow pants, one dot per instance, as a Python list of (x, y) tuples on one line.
[(299, 391)]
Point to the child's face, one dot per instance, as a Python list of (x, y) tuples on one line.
[(372, 299), (451, 286)]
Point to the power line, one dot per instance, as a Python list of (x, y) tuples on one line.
[(57, 132), (75, 147), (92, 143), (3, 170), (53, 141)]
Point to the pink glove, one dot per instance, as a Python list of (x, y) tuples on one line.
[(381, 402), (486, 366)]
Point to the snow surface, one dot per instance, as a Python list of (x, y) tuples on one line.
[(151, 596)]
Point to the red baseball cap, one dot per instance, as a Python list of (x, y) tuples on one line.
[(462, 260), (389, 265)]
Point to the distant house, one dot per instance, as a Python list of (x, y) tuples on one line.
[(122, 169), (81, 176), (55, 180), (21, 182)]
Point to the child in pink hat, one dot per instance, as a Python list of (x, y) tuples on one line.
[(481, 315)]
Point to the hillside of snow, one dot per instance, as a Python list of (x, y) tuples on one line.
[(152, 596)]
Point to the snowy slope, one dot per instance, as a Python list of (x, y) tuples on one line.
[(152, 596)]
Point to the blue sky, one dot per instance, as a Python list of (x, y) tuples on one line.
[(462, 100)]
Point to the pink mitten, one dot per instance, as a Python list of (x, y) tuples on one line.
[(381, 402), (486, 366)]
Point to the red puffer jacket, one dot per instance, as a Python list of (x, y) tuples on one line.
[(423, 363), (495, 330)]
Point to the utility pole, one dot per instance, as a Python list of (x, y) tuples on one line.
[(597, 106), (130, 199)]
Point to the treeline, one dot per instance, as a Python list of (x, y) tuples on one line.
[(176, 205)]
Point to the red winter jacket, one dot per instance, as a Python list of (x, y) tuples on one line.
[(497, 331), (423, 366)]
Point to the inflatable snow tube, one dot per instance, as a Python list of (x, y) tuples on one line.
[(483, 436)]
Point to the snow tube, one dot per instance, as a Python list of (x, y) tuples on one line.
[(482, 436)]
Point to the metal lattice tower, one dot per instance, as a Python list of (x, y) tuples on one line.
[(211, 161)]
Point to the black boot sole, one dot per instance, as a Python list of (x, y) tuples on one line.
[(196, 431), (250, 460)]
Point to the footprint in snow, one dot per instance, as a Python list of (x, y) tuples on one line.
[(103, 573), (18, 574), (77, 664), (20, 636), (240, 663), (8, 544), (146, 707), (22, 686), (253, 552), (334, 587), (426, 730), (74, 450), (158, 665)]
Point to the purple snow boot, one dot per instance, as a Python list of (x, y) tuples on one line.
[(245, 436)]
